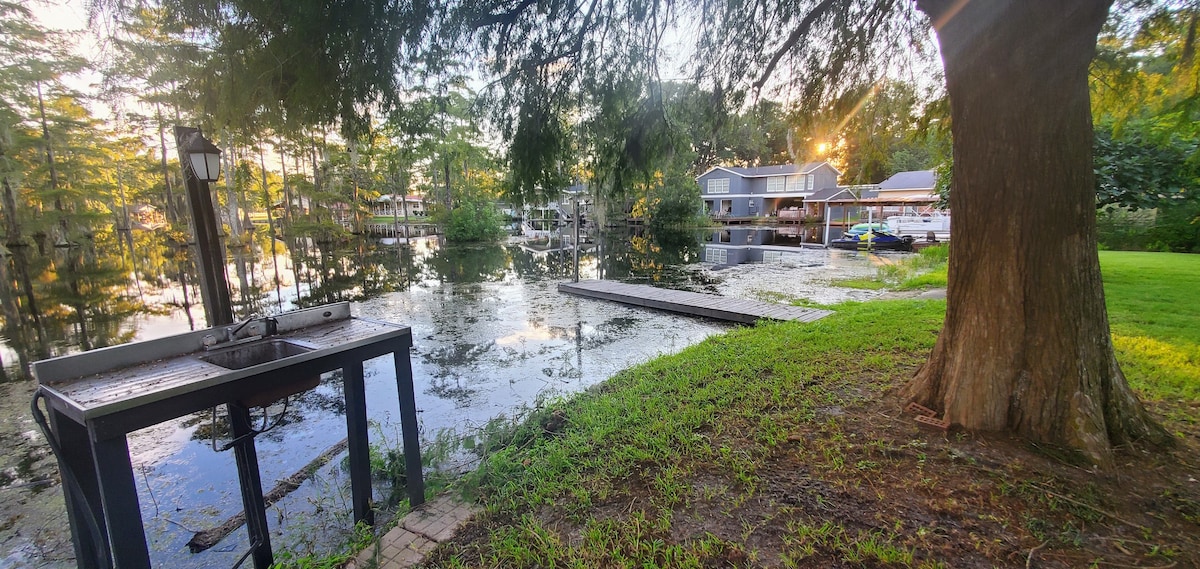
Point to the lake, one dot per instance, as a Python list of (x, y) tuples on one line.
[(492, 337)]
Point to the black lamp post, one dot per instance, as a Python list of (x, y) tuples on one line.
[(201, 162)]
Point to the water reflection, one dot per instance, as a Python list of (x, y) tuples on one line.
[(490, 333)]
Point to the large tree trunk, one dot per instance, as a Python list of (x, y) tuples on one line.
[(1025, 346)]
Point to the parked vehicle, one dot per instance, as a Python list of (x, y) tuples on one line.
[(860, 228)]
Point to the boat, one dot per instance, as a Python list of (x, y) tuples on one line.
[(877, 240), (937, 222)]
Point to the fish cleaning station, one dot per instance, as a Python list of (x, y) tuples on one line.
[(94, 399)]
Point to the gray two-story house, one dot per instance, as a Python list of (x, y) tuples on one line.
[(764, 191)]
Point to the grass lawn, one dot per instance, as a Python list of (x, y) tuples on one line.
[(399, 218), (784, 445), (1154, 314)]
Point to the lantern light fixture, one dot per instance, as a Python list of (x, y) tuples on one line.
[(204, 156)]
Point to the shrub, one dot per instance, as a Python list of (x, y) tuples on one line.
[(473, 219)]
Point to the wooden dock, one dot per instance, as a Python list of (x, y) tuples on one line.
[(691, 303)]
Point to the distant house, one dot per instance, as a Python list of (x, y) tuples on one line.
[(391, 204), (145, 217), (763, 191), (908, 191)]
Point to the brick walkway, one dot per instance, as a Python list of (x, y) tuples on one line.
[(416, 535)]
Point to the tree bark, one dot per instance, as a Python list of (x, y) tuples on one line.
[(287, 190), (1025, 346), (50, 164), (231, 191), (12, 224), (172, 216)]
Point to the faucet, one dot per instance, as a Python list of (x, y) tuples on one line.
[(270, 325), (231, 333)]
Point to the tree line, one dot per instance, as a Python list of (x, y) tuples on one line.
[(573, 91)]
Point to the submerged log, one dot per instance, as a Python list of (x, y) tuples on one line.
[(205, 539)]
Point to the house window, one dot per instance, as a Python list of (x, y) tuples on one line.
[(718, 186), (775, 184), (808, 182), (715, 255), (795, 183)]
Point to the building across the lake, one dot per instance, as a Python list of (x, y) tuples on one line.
[(810, 192), (392, 204), (765, 191)]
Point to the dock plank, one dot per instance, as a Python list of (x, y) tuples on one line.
[(691, 303)]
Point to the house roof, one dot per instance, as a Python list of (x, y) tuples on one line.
[(839, 193), (914, 180), (777, 170)]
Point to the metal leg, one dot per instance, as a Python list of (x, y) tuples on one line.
[(90, 549), (408, 426), (251, 484), (356, 435), (114, 477)]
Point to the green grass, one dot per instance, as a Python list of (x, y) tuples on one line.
[(861, 284), (1154, 314), (725, 403), (700, 434), (400, 218), (925, 270)]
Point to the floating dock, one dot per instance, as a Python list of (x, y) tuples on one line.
[(691, 303)]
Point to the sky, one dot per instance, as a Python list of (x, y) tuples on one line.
[(71, 16)]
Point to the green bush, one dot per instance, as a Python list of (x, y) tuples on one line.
[(675, 206), (473, 219), (1176, 229)]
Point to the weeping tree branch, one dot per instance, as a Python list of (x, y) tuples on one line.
[(575, 49), (802, 30), (503, 18)]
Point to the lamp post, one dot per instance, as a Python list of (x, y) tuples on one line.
[(201, 163)]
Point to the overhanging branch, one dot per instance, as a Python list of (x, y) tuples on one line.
[(505, 18), (802, 29)]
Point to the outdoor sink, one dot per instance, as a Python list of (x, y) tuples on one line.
[(254, 353), (132, 386)]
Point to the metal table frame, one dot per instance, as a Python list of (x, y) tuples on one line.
[(97, 451)]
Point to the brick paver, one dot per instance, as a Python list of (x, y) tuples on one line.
[(418, 533)]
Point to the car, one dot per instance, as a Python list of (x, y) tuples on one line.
[(860, 228)]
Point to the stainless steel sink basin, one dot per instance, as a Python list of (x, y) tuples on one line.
[(255, 353)]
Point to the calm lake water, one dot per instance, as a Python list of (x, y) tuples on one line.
[(492, 336)]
